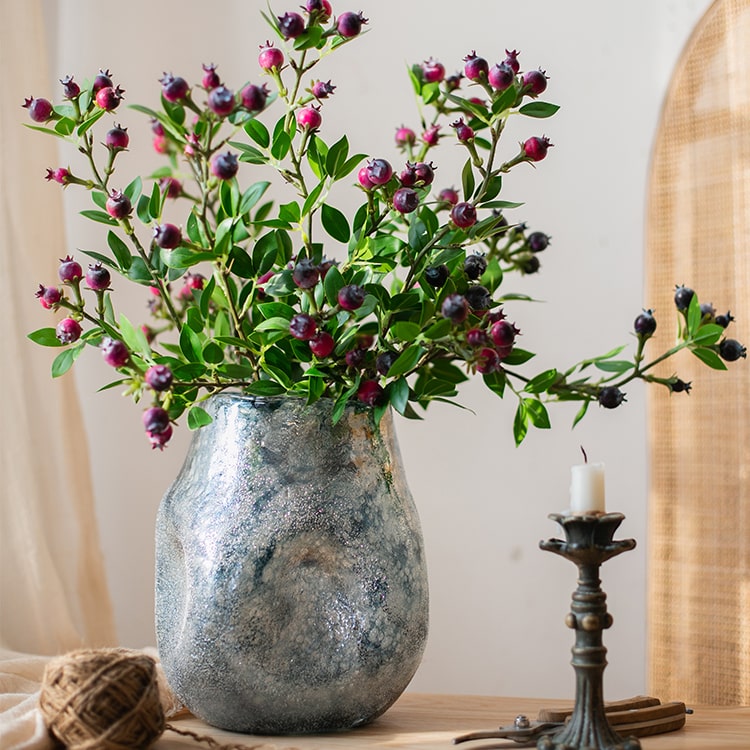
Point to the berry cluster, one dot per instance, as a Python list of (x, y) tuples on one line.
[(391, 307)]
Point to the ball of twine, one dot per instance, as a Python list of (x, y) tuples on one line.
[(103, 699)]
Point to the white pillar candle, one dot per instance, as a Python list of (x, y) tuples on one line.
[(587, 488)]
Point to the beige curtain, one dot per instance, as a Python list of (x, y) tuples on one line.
[(699, 235), (53, 595)]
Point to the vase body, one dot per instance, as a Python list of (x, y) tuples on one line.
[(291, 585)]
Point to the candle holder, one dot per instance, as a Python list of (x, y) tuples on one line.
[(588, 543)]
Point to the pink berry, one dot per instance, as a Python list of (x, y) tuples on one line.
[(476, 67), (97, 277), (291, 25), (171, 186), (160, 144), (221, 101), (210, 78), (501, 76), (270, 57), (405, 137), (303, 326), (59, 175), (160, 439), (159, 377), (322, 344), (464, 215), (109, 98), (167, 236), (114, 352), (448, 195), (118, 204), (363, 177), (536, 81), (431, 135), (224, 166), (254, 97), (536, 148), (68, 330), (49, 296), (350, 24), (432, 71), (40, 110), (69, 270), (173, 88), (309, 118), (511, 60), (370, 392), (379, 171), (405, 200), (117, 138)]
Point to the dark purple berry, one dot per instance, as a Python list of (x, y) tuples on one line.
[(478, 297), (322, 89), (270, 57), (97, 277), (501, 76), (535, 81), (488, 360), (371, 393), (503, 333), (379, 171), (477, 337), (464, 215), (109, 98), (436, 276), (291, 25), (408, 175), (432, 71), (115, 353), (102, 80), (476, 67), (682, 297), (167, 236), (68, 330), (645, 323), (159, 377), (221, 101), (322, 344), (49, 296), (724, 320), (680, 386), (535, 147), (610, 397), (463, 131), (449, 196), (708, 312), (350, 24), (254, 97), (511, 60), (118, 205), (529, 265), (731, 350), (160, 439), (40, 110), (155, 419), (475, 265), (384, 361), (70, 88), (117, 138), (355, 357), (351, 297), (455, 308), (224, 166), (321, 9), (425, 172), (173, 88), (405, 200), (305, 274), (69, 270), (303, 326), (537, 241), (210, 78)]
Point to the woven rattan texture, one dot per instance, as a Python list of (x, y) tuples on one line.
[(699, 235)]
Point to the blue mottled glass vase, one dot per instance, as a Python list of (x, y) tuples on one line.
[(291, 586)]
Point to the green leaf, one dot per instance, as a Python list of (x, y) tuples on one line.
[(101, 216), (614, 365), (520, 423), (496, 382), (258, 132), (398, 394), (213, 354), (252, 195), (197, 418), (406, 361), (249, 154), (143, 209), (694, 316), (581, 413), (467, 180), (337, 155), (312, 198), (120, 250), (86, 124), (541, 382), (134, 338), (439, 330), (335, 223), (281, 144), (65, 126), (316, 156), (332, 283), (45, 337), (406, 331), (64, 360), (518, 357), (265, 388), (348, 166), (709, 357), (184, 257), (139, 273), (505, 101), (537, 413), (273, 324), (539, 109), (190, 344), (708, 334), (134, 189)]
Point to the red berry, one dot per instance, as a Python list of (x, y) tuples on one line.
[(173, 88), (536, 81), (167, 236), (464, 215), (536, 148), (405, 200), (270, 57), (350, 24), (69, 270), (68, 330), (159, 377), (40, 110), (503, 333), (476, 337), (109, 98), (118, 205), (221, 101), (291, 25), (303, 326), (117, 138), (115, 353), (309, 118), (254, 97), (351, 297), (224, 166), (432, 71), (97, 277), (321, 344), (370, 392), (501, 76), (160, 439), (488, 360), (476, 67), (49, 296)]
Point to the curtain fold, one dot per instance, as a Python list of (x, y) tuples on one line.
[(53, 594)]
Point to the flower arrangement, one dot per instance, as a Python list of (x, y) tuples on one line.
[(247, 294)]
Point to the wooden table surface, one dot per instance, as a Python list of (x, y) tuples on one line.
[(430, 722)]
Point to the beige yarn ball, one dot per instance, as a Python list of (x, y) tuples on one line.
[(102, 699)]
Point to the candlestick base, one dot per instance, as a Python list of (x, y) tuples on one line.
[(588, 543)]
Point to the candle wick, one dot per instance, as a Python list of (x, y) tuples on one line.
[(585, 457)]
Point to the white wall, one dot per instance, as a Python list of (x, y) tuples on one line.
[(497, 602)]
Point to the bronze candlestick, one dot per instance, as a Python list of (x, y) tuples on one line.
[(588, 543)]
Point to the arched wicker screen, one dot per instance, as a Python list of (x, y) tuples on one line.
[(699, 235)]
